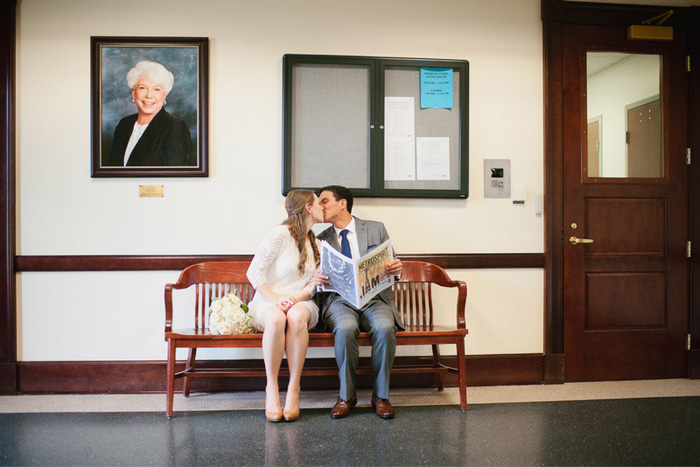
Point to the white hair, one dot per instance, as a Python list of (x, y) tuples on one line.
[(155, 71)]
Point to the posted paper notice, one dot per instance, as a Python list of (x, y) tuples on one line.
[(399, 138), (433, 158), (436, 88)]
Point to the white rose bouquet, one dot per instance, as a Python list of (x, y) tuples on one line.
[(229, 315)]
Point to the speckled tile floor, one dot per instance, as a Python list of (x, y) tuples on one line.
[(624, 423)]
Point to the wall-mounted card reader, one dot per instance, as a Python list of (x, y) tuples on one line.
[(518, 194), (496, 178)]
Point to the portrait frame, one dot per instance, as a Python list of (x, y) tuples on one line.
[(186, 107)]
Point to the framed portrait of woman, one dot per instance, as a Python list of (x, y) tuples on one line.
[(149, 106)]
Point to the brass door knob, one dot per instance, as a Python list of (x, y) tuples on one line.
[(576, 240)]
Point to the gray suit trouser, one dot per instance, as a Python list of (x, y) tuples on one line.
[(376, 318)]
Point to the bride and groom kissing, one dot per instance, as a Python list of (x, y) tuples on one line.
[(288, 304)]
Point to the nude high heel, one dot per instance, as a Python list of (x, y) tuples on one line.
[(274, 417), (291, 415)]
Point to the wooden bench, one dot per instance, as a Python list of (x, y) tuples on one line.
[(413, 296)]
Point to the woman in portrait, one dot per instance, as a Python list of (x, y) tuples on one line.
[(282, 274), (152, 136)]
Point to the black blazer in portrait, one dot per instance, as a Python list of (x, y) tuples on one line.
[(166, 142)]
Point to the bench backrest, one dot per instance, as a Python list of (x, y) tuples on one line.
[(210, 280), (412, 294)]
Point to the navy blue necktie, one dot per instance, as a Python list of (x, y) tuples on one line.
[(345, 244)]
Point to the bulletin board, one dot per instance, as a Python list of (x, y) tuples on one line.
[(383, 127)]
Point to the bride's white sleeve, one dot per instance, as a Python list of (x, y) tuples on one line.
[(267, 253), (311, 287)]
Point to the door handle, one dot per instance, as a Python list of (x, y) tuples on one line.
[(576, 240)]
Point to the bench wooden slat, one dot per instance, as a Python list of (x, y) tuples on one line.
[(413, 296)]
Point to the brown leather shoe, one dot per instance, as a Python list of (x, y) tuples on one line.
[(341, 409), (382, 407)]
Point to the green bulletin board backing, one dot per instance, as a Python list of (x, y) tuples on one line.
[(358, 122)]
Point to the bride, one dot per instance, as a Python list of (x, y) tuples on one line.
[(282, 274)]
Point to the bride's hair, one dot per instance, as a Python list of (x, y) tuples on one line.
[(295, 204)]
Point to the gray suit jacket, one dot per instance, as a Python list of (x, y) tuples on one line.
[(370, 234)]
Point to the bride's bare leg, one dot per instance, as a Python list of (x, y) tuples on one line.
[(274, 322), (297, 342)]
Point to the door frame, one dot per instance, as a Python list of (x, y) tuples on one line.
[(8, 329), (556, 13)]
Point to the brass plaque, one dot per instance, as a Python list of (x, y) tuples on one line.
[(151, 191)]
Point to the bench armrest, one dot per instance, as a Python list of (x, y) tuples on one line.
[(168, 307), (461, 304)]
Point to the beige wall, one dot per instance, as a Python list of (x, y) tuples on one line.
[(62, 211)]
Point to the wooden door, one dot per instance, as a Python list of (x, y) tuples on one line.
[(625, 294)]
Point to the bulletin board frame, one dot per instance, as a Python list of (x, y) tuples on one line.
[(340, 126)]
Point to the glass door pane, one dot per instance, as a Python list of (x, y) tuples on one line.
[(624, 115)]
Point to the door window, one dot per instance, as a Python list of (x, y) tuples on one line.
[(624, 116)]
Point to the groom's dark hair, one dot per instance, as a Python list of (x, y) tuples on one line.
[(340, 192)]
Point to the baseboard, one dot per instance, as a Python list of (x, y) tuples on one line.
[(149, 377), (8, 379), (694, 364), (554, 368)]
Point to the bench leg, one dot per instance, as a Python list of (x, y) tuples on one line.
[(170, 383), (190, 363), (462, 364), (436, 361)]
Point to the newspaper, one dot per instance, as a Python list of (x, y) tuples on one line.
[(356, 281)]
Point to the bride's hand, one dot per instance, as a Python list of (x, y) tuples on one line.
[(286, 303)]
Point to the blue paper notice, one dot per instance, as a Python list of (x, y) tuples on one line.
[(436, 88)]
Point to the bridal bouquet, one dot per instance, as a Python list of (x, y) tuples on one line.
[(229, 315)]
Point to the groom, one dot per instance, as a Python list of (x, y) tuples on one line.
[(354, 238)]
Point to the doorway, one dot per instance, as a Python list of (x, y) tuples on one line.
[(624, 206)]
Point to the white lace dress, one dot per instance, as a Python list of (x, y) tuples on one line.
[(275, 264)]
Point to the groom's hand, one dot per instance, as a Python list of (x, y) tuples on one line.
[(320, 278), (394, 267)]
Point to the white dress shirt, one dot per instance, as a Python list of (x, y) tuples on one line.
[(352, 238)]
